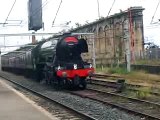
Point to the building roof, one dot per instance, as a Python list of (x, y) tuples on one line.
[(138, 8)]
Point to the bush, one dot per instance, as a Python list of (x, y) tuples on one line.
[(101, 69), (143, 93)]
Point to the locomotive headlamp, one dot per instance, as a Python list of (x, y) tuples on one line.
[(59, 68), (75, 66), (90, 66)]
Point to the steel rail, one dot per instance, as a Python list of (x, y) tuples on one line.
[(118, 105), (112, 84), (106, 75), (125, 97)]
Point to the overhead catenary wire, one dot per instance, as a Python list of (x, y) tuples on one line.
[(9, 13), (57, 13), (34, 13), (37, 10), (27, 34), (111, 7), (3, 46), (153, 25), (44, 4), (155, 12)]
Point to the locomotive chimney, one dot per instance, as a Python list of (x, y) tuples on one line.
[(33, 38)]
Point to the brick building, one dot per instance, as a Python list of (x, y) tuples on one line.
[(111, 34)]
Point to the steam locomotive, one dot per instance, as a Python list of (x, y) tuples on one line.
[(56, 60)]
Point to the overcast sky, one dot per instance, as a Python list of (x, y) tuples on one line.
[(76, 11)]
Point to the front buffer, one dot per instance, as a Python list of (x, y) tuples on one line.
[(75, 77)]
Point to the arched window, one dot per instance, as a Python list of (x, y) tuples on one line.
[(94, 30), (102, 40), (100, 30), (107, 35), (118, 39)]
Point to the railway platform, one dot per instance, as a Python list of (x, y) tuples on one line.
[(15, 106)]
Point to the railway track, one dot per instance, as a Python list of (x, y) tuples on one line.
[(100, 79), (80, 115), (106, 75), (144, 108), (97, 110), (112, 78), (90, 107)]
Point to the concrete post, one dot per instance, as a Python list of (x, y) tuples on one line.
[(94, 53), (127, 44)]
